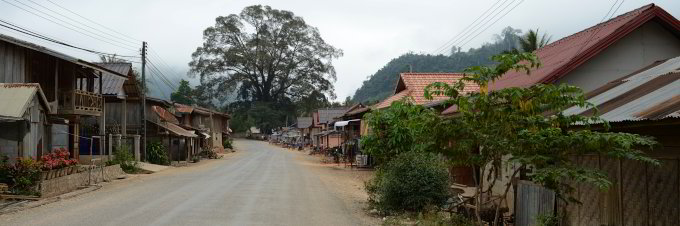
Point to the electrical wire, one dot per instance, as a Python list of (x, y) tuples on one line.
[(499, 18), (476, 27), (81, 23), (25, 31), (457, 36), (94, 22), (35, 14)]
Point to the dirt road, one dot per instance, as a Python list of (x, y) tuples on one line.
[(259, 185)]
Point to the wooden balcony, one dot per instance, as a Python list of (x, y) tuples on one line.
[(79, 102)]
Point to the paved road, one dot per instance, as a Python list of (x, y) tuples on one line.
[(259, 185)]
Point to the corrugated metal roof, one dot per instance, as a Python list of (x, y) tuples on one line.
[(653, 93), (175, 129), (113, 84), (304, 122), (566, 54), (16, 97), (328, 115)]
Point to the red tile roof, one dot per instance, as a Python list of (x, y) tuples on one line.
[(412, 85), (566, 54)]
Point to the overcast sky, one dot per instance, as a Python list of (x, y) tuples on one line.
[(370, 32)]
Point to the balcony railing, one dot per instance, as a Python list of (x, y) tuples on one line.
[(79, 102)]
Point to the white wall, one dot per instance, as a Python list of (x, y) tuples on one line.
[(642, 47)]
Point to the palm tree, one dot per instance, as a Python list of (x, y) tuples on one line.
[(530, 42)]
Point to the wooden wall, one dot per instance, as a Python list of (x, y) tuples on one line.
[(12, 63)]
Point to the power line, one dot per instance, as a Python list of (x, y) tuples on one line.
[(598, 30), (94, 22), (162, 76), (28, 11), (457, 36), (81, 23), (499, 18), (25, 31), (164, 63)]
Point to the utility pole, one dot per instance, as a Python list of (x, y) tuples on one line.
[(144, 99)]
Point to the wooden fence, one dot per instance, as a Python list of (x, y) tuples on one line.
[(532, 202)]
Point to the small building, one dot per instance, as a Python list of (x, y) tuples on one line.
[(328, 137), (23, 120), (163, 126)]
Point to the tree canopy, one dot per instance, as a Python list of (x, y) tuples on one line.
[(269, 58), (184, 94), (267, 54)]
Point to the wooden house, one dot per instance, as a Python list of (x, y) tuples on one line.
[(163, 126), (121, 99), (329, 137), (68, 85), (220, 129)]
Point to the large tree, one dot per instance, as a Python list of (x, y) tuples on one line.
[(269, 55), (184, 94)]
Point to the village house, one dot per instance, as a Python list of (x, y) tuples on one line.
[(220, 129), (626, 67), (163, 126), (328, 137), (68, 87)]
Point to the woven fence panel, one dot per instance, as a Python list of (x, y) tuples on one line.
[(634, 194), (589, 212), (609, 200), (663, 193)]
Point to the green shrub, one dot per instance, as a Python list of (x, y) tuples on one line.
[(4, 169), (410, 182), (227, 143), (25, 176), (127, 161), (156, 154)]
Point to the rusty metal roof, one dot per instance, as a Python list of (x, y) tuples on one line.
[(566, 54), (653, 93), (165, 115), (16, 98)]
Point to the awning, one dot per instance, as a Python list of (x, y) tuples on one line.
[(174, 129), (204, 134), (344, 123)]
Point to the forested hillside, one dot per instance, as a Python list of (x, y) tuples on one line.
[(381, 84)]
